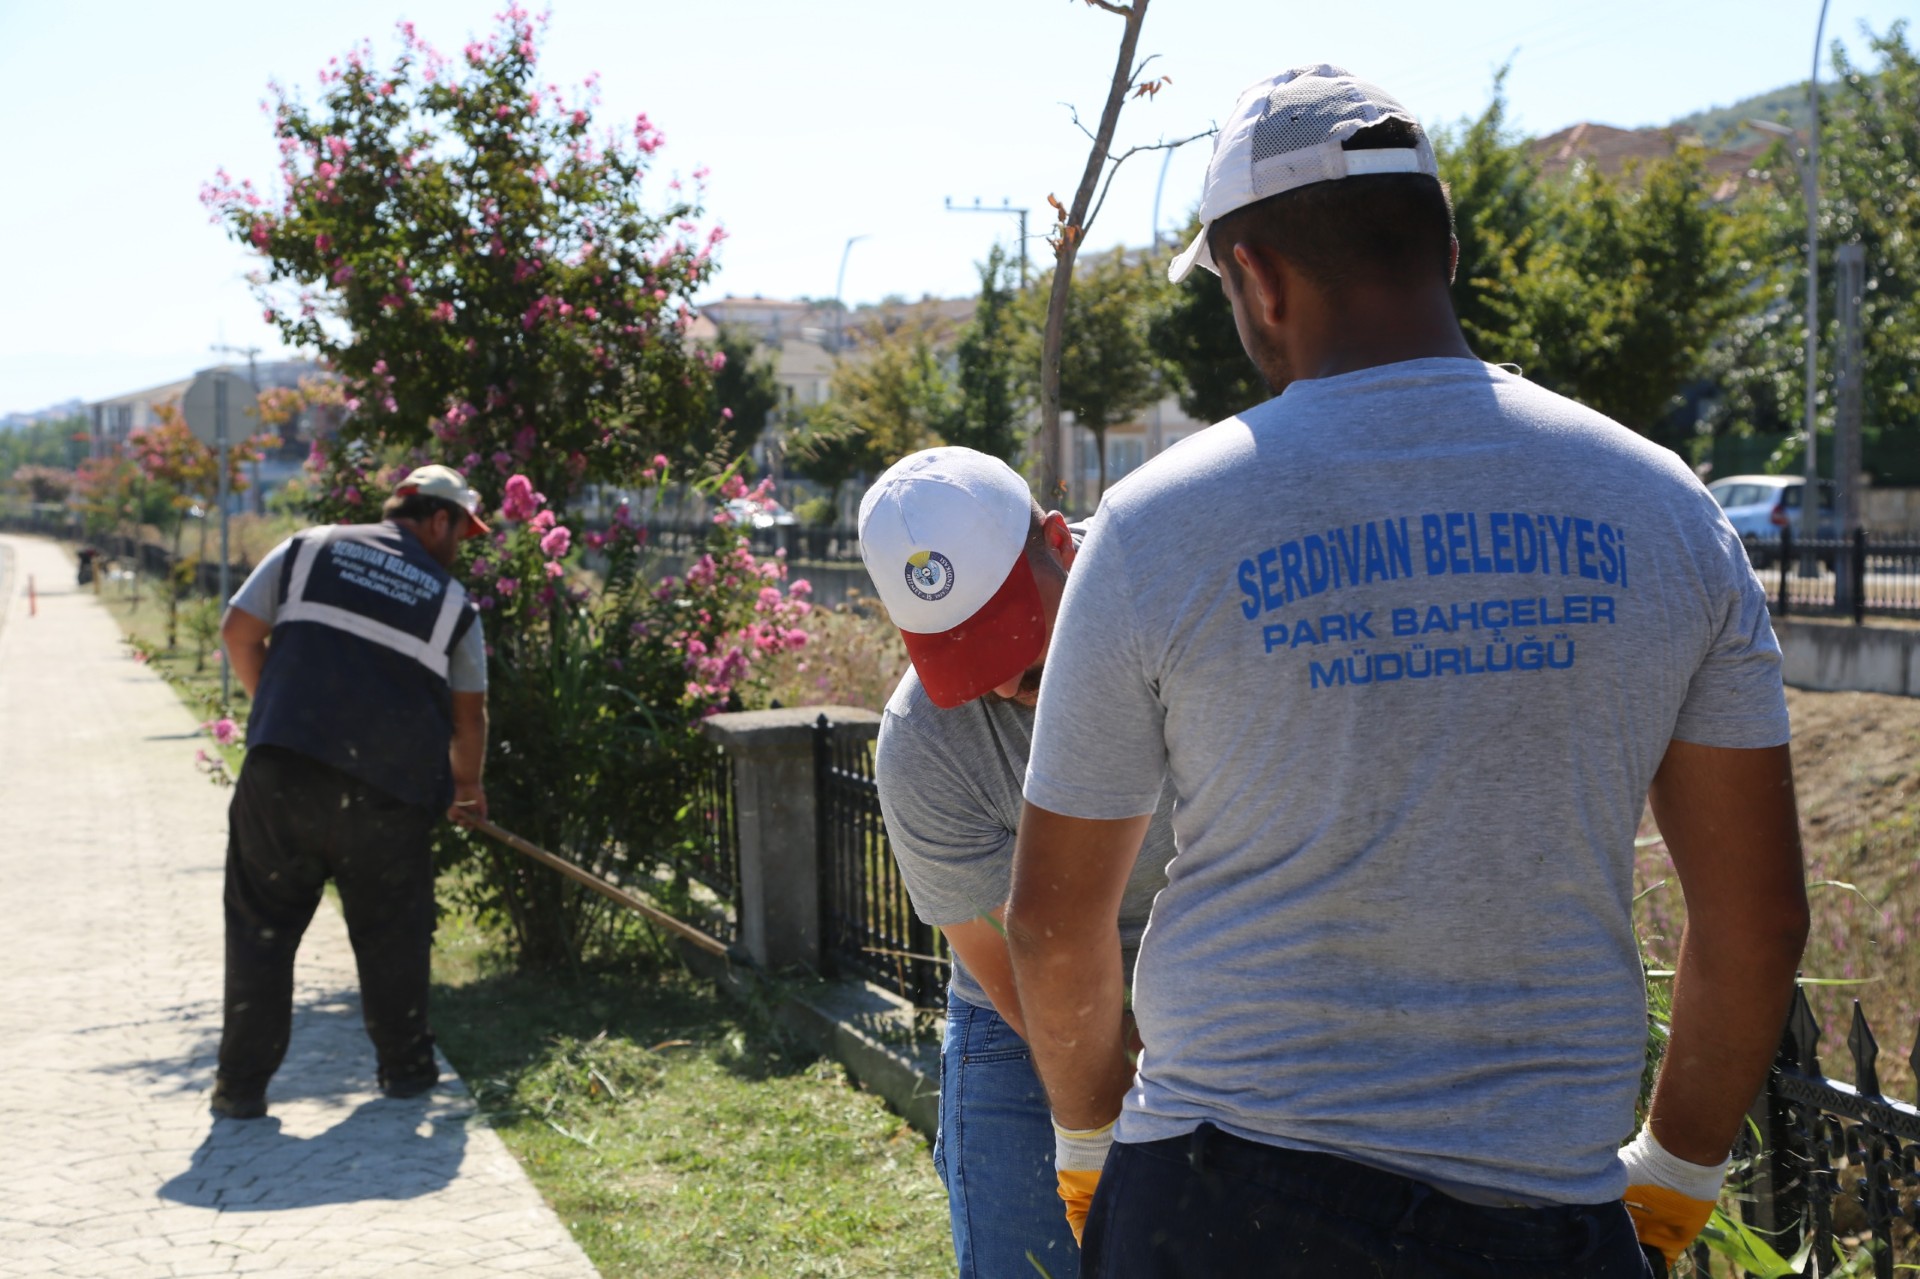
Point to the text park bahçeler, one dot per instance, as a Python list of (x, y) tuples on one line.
[(1456, 543)]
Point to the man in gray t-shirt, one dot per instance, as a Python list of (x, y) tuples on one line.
[(1415, 641), (971, 571)]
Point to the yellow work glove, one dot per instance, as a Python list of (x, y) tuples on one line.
[(1078, 1156), (1668, 1198)]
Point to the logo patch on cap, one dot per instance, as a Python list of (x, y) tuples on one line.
[(929, 575)]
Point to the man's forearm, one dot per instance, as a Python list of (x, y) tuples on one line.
[(1063, 936), (1072, 995), (247, 661), (1733, 829), (468, 750), (1730, 998), (244, 637)]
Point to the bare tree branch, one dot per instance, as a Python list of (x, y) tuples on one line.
[(1120, 9), (1118, 160), (1074, 112)]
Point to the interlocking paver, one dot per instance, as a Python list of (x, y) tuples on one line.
[(110, 974)]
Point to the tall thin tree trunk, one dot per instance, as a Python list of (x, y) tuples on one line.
[(1070, 233)]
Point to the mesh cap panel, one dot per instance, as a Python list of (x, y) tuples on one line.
[(1306, 113)]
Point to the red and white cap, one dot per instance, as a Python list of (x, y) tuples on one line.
[(944, 536)]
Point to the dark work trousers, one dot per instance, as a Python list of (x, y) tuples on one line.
[(1214, 1206), (295, 823)]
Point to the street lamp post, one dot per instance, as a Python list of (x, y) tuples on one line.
[(840, 307)]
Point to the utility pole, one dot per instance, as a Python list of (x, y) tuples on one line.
[(226, 558), (1006, 206), (1850, 286), (259, 499), (1810, 500)]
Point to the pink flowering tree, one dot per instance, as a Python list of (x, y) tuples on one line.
[(502, 282)]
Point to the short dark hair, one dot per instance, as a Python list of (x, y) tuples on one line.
[(419, 507), (1377, 227)]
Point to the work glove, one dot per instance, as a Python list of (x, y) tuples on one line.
[(1078, 1156), (1668, 1198)]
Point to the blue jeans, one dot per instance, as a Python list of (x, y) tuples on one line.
[(994, 1153), (1215, 1206)]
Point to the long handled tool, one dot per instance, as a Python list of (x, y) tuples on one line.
[(598, 885)]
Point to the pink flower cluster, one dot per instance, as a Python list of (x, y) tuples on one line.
[(718, 661), (222, 730), (520, 503)]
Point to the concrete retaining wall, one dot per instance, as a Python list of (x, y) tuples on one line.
[(1833, 657)]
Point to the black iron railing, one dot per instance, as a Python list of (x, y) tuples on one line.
[(1836, 1168), (710, 856), (1857, 576), (867, 925)]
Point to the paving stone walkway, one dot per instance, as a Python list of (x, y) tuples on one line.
[(110, 969)]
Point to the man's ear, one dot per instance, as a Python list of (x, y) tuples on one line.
[(1059, 539), (1262, 285)]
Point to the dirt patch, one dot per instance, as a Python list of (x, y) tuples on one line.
[(1854, 764)]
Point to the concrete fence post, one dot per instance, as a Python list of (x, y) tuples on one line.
[(774, 815)]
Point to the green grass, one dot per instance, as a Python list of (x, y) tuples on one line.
[(676, 1131)]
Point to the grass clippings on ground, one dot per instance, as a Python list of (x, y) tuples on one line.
[(676, 1132)]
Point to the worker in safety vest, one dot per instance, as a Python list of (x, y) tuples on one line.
[(368, 673)]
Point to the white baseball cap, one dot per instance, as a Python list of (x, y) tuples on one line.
[(448, 485), (944, 535), (1289, 132)]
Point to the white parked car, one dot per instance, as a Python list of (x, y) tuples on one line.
[(763, 513), (1759, 506)]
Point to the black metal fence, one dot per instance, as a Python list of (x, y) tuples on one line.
[(1838, 1165), (711, 855), (867, 926), (1853, 576)]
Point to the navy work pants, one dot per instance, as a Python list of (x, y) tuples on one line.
[(1214, 1205), (294, 824)]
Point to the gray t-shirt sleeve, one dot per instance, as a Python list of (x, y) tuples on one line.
[(955, 856), (467, 666), (259, 595), (1099, 745), (1735, 698)]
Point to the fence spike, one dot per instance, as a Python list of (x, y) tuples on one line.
[(1803, 1033), (1913, 1060), (1866, 1051)]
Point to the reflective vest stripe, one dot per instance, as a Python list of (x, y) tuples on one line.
[(449, 617), (430, 653), (366, 628), (306, 549)]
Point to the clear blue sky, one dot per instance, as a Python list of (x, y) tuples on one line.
[(820, 121)]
